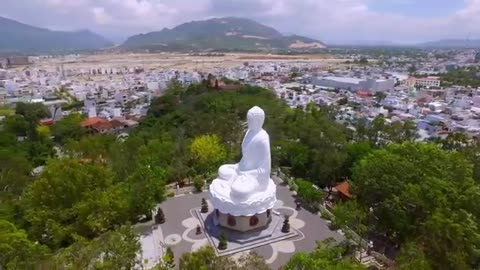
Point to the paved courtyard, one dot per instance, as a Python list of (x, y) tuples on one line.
[(178, 232)]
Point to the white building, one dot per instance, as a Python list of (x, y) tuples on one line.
[(355, 84), (423, 82), (437, 106), (121, 97), (3, 74)]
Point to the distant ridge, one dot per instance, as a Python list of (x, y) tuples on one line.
[(20, 37), (229, 33), (452, 43)]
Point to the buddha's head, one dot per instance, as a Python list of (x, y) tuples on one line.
[(255, 118)]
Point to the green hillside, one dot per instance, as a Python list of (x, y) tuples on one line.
[(228, 33)]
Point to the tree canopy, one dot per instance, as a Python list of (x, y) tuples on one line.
[(206, 259), (71, 198), (16, 250), (418, 192), (112, 250), (420, 197), (323, 257), (207, 152)]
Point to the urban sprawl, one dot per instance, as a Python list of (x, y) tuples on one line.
[(115, 95)]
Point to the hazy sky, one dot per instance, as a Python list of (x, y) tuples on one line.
[(329, 20)]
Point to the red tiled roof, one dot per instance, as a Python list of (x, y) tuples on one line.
[(46, 122), (102, 125), (363, 93), (92, 121), (344, 189)]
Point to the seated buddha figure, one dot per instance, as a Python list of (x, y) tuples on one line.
[(251, 175)]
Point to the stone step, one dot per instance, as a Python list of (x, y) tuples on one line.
[(366, 259)]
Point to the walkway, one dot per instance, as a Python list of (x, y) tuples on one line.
[(178, 232)]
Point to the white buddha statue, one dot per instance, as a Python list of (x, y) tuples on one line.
[(245, 188)]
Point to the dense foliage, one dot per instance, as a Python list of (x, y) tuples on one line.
[(323, 257), (464, 77), (85, 192), (206, 259), (422, 194), (420, 199)]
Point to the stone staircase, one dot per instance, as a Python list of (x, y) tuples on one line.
[(367, 260)]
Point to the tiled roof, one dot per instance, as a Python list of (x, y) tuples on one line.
[(92, 121), (102, 125), (344, 188)]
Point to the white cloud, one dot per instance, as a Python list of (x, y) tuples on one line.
[(324, 19), (65, 4), (101, 16)]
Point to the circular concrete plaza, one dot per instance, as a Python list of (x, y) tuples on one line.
[(180, 230)]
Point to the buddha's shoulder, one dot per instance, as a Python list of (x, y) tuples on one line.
[(263, 135)]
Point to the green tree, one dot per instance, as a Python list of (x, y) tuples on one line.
[(252, 260), (8, 139), (377, 132), (16, 250), (414, 191), (323, 257), (113, 250), (73, 198), (307, 192), (355, 152), (91, 147), (379, 96), (363, 61), (169, 259), (462, 77), (350, 214), (456, 141), (150, 183), (400, 132), (14, 177), (125, 157), (43, 133), (16, 124), (69, 128), (38, 152), (205, 259), (412, 69), (412, 256), (198, 183), (452, 239), (295, 155), (380, 133), (32, 112), (223, 242), (315, 148), (342, 101), (207, 152)]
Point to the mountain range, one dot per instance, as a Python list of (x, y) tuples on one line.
[(220, 34), (452, 43), (16, 37), (229, 33)]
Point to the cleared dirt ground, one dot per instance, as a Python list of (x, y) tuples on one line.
[(176, 61)]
